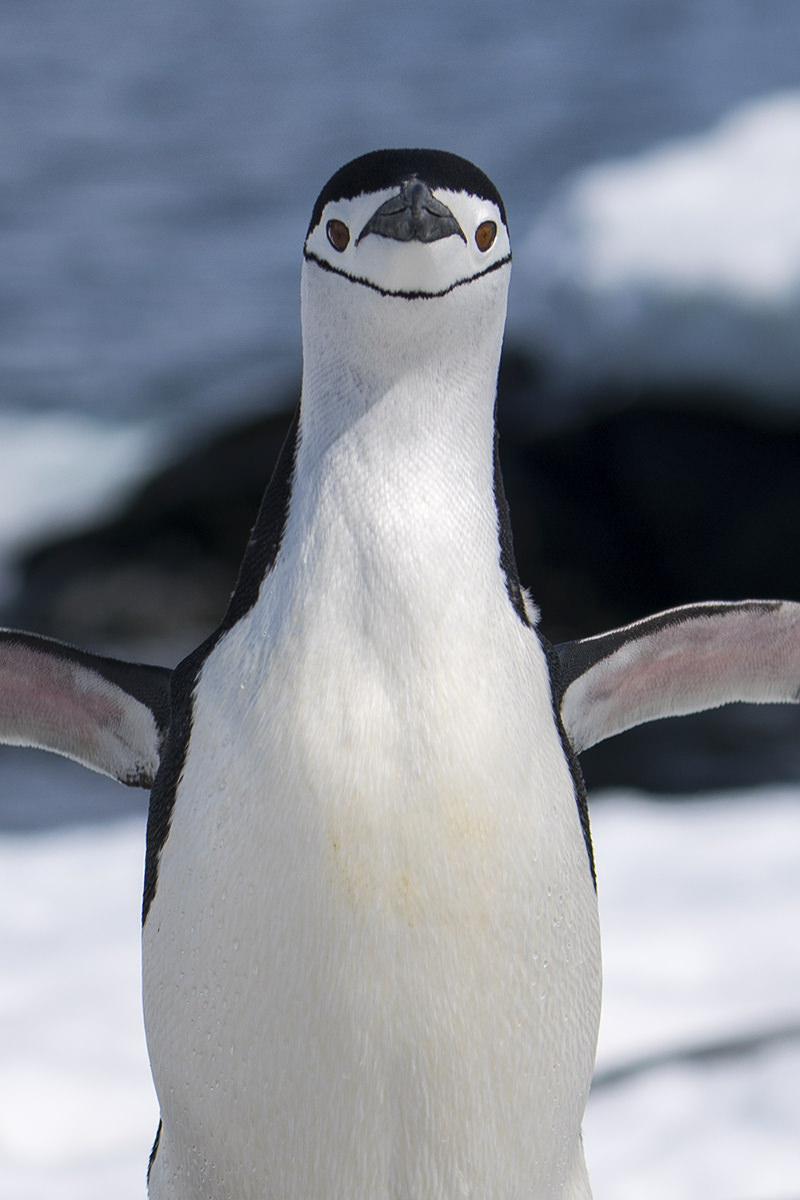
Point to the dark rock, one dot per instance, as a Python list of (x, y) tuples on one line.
[(657, 505), (168, 563)]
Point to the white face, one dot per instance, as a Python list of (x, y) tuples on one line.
[(409, 268)]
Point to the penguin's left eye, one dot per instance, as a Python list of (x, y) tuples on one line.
[(485, 235), (338, 234)]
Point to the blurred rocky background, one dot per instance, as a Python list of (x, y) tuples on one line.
[(160, 165)]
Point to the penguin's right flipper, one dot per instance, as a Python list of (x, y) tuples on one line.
[(109, 715), (681, 661)]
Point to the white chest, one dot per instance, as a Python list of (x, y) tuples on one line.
[(371, 968)]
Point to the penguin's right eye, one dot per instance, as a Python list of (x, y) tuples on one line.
[(338, 234)]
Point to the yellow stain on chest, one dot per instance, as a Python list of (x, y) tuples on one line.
[(415, 867)]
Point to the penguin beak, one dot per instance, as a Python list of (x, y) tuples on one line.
[(414, 214)]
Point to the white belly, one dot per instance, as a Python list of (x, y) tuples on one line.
[(371, 967)]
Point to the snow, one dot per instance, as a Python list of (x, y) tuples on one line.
[(708, 1133), (58, 469), (700, 906), (77, 1110), (679, 265)]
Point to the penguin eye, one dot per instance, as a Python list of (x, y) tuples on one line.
[(338, 234), (485, 235)]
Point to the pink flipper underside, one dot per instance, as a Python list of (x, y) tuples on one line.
[(54, 702), (684, 661)]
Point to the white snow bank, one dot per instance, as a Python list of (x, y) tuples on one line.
[(717, 1131), (700, 907), (682, 265), (77, 1109), (59, 469)]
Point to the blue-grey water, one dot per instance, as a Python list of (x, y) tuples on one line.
[(158, 160)]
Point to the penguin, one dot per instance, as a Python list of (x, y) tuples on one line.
[(371, 953)]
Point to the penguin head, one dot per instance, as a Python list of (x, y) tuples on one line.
[(404, 287), (410, 224)]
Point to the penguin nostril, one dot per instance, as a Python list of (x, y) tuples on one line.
[(415, 192)]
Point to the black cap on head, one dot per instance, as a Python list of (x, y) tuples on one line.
[(383, 169)]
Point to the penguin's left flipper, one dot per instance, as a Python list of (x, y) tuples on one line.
[(677, 662), (110, 715)]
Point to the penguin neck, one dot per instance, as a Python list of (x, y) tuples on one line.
[(394, 471), (405, 376)]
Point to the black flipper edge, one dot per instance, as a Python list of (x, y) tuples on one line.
[(107, 714), (677, 662)]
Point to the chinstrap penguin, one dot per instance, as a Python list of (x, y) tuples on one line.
[(371, 959)]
